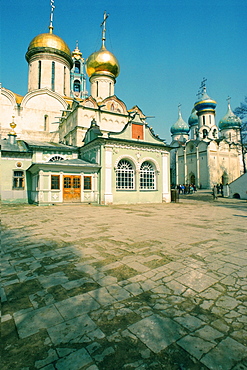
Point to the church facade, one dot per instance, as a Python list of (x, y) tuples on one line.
[(61, 144), (205, 154)]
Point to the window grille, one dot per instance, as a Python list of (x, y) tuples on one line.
[(125, 175), (55, 182), (147, 176), (87, 183), (56, 158)]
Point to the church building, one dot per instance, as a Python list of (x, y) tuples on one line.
[(205, 154), (61, 144)]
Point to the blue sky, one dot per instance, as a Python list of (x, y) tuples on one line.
[(164, 48)]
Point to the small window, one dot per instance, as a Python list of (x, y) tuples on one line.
[(55, 182), (67, 182), (204, 134), (18, 180), (77, 86), (76, 182), (77, 67), (87, 183)]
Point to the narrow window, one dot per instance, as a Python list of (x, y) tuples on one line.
[(45, 122), (87, 183), (125, 175), (53, 76), (147, 176), (97, 88), (39, 74), (210, 119), (77, 67), (64, 81), (55, 182), (110, 89), (204, 134), (18, 180), (203, 120)]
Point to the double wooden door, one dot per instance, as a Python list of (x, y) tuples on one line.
[(71, 188)]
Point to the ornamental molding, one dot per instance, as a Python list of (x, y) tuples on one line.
[(136, 148), (43, 91)]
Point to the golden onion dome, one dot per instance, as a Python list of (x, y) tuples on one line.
[(49, 43), (102, 62)]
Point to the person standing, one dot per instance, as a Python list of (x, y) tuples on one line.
[(215, 192)]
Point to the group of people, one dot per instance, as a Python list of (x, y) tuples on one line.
[(218, 189), (186, 188)]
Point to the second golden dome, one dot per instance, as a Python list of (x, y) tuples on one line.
[(102, 62)]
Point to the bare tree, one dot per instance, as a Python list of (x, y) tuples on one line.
[(241, 112)]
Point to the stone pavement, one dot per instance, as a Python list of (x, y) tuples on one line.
[(125, 287)]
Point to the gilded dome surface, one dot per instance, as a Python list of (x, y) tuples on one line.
[(102, 62), (48, 42)]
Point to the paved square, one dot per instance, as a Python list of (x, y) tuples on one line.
[(130, 286)]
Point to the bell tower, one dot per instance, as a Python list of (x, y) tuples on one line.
[(77, 75)]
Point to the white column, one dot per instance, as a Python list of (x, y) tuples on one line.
[(166, 197), (176, 167), (108, 196), (185, 167), (61, 187), (197, 168)]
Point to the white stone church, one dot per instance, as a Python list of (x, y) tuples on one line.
[(61, 144)]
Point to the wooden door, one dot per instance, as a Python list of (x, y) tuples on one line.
[(71, 188)]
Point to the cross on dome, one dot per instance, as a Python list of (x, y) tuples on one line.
[(51, 15), (103, 25)]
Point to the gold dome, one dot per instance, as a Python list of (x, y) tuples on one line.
[(48, 42), (102, 62)]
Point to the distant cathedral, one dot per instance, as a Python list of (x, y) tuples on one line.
[(213, 153), (63, 144)]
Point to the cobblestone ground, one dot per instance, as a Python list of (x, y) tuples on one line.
[(125, 287)]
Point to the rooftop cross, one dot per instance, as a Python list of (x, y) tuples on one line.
[(51, 16), (229, 100), (179, 108), (203, 83), (103, 25)]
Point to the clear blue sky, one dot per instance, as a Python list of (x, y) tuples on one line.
[(164, 47)]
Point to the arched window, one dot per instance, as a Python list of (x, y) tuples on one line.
[(77, 86), (124, 175), (215, 133), (147, 176), (77, 67), (204, 134), (56, 158), (45, 122)]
